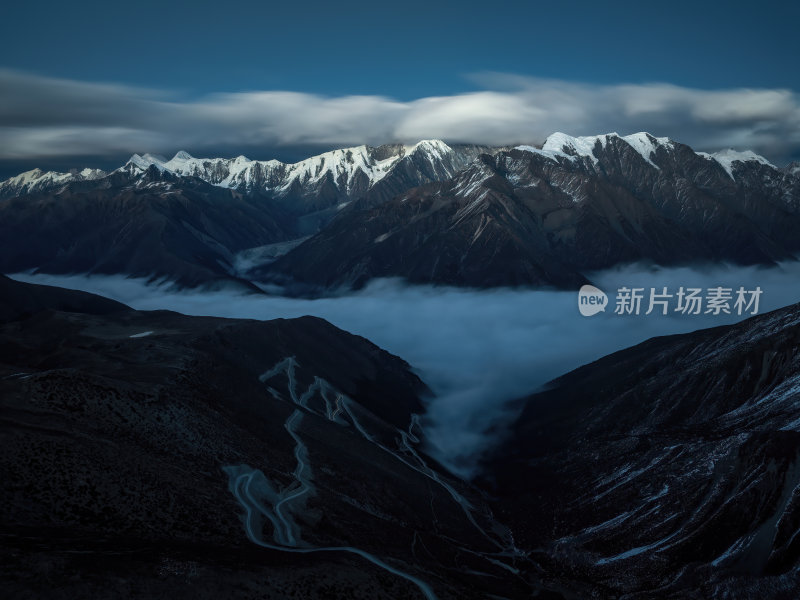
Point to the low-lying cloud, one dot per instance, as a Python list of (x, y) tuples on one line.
[(44, 117), (478, 350)]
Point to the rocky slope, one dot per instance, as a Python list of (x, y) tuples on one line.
[(667, 470), (153, 224), (157, 455)]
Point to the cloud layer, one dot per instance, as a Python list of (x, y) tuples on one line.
[(478, 350), (44, 117)]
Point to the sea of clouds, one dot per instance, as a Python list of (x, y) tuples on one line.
[(477, 349)]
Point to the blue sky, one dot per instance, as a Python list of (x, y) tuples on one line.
[(402, 49), (168, 69)]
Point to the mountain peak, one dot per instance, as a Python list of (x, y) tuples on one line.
[(563, 145), (646, 144), (644, 136), (727, 157), (39, 180), (432, 144), (137, 160), (182, 155), (143, 162), (31, 175), (566, 146)]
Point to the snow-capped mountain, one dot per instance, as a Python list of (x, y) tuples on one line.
[(156, 224), (37, 180), (430, 212), (348, 167), (541, 216), (728, 157), (318, 185), (321, 182), (561, 145), (186, 218)]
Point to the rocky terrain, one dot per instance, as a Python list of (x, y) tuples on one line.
[(149, 454), (667, 470), (155, 455), (154, 225)]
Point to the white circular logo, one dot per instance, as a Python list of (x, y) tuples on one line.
[(591, 300)]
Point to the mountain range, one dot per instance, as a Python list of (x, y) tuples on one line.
[(185, 219), (547, 216), (159, 455), (428, 213)]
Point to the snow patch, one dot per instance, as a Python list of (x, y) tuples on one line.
[(562, 143), (646, 145), (36, 179), (344, 166), (726, 158)]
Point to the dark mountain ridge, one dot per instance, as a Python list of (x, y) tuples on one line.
[(194, 457), (186, 219), (143, 454), (666, 470)]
